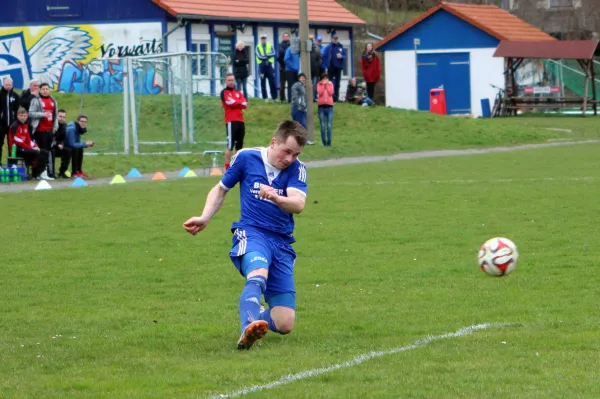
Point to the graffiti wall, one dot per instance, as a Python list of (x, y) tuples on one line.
[(81, 57)]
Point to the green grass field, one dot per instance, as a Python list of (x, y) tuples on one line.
[(356, 131), (104, 295)]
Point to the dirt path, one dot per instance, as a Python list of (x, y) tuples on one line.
[(57, 184)]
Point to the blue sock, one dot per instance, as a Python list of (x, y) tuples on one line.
[(266, 316), (250, 300)]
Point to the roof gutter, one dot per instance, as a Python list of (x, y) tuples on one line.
[(374, 36), (258, 20), (180, 24)]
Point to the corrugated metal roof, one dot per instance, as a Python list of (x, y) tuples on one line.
[(563, 49), (493, 20), (323, 11)]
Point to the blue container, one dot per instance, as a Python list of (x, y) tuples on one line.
[(486, 111)]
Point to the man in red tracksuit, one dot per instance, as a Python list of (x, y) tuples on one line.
[(234, 103), (19, 134)]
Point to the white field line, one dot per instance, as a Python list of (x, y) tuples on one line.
[(360, 359)]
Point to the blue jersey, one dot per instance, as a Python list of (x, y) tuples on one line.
[(250, 167)]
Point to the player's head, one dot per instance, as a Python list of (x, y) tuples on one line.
[(287, 143), (7, 83), (45, 89), (230, 80), (22, 115), (82, 122), (34, 86), (62, 116)]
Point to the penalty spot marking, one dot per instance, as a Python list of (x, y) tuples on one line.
[(361, 359)]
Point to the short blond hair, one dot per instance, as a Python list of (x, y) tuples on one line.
[(240, 44)]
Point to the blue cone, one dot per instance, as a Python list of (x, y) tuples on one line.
[(79, 182), (134, 174)]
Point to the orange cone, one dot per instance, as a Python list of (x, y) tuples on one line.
[(159, 176)]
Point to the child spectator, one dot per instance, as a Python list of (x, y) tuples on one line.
[(299, 100)]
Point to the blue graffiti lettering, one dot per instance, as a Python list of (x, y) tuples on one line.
[(15, 72), (104, 76)]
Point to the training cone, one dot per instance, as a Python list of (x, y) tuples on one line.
[(118, 179), (79, 182), (216, 172), (43, 185), (184, 171), (134, 174), (159, 176), (190, 173)]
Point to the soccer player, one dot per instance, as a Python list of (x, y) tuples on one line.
[(272, 189), (234, 103)]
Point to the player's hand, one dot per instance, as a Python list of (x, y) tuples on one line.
[(194, 225), (267, 192)]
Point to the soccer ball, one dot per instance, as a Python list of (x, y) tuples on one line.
[(498, 256)]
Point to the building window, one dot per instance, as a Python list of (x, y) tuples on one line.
[(200, 61), (348, 62), (63, 8), (560, 4)]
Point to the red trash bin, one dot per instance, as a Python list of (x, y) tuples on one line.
[(437, 101)]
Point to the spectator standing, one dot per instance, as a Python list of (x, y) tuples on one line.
[(299, 100), (283, 46), (292, 66), (240, 67), (325, 91), (325, 56), (234, 104), (315, 65), (75, 130), (43, 115), (59, 148), (371, 67), (9, 105), (265, 59), (337, 55), (27, 95)]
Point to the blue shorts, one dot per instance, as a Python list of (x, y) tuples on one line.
[(280, 258)]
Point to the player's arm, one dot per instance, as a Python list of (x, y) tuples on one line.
[(296, 192), (216, 196), (243, 101), (214, 201), (293, 203)]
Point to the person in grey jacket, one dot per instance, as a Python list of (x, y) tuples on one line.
[(299, 100), (43, 116)]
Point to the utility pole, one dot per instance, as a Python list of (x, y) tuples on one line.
[(305, 65)]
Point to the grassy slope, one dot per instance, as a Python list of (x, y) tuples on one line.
[(357, 131), (394, 262)]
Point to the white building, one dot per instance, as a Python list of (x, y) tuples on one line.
[(451, 46)]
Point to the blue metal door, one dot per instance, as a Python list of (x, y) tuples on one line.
[(450, 70)]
